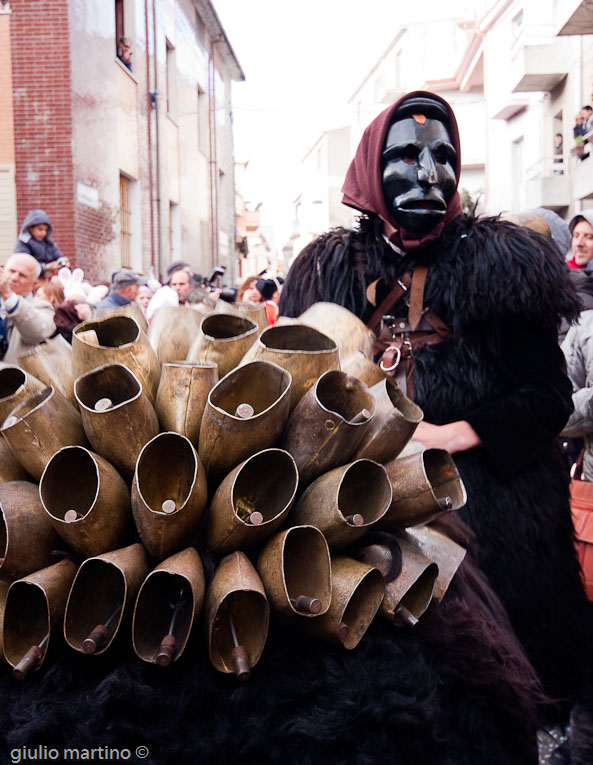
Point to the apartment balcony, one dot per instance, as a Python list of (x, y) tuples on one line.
[(539, 67), (252, 220), (573, 17), (582, 176), (548, 184)]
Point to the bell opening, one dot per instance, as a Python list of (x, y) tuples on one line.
[(26, 620), (248, 611), (192, 364), (444, 479), (161, 594), (113, 381), (115, 331), (306, 565), (70, 482), (11, 379), (362, 607), (365, 490), (98, 591), (29, 404), (296, 337), (267, 483), (402, 403), (166, 470), (258, 383), (3, 537), (345, 395), (224, 326), (417, 598)]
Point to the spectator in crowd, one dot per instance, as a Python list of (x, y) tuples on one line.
[(35, 238), (269, 290), (143, 297), (124, 290), (244, 294), (50, 291), (25, 321), (166, 294), (124, 51), (581, 229), (579, 128), (558, 152), (180, 282), (258, 290), (587, 112), (578, 132)]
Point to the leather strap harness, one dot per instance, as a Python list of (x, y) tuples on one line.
[(398, 339)]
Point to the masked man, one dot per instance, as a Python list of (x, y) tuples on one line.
[(473, 308), (457, 687)]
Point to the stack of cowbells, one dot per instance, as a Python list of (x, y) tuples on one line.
[(211, 502)]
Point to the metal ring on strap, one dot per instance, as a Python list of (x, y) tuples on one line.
[(397, 359)]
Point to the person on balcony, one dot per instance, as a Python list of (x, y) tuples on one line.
[(124, 52)]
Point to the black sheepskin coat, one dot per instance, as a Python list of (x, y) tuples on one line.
[(456, 690), (502, 290)]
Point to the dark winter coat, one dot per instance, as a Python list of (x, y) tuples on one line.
[(502, 290), (45, 251), (113, 299)]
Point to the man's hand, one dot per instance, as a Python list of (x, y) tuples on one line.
[(454, 437), (5, 288)]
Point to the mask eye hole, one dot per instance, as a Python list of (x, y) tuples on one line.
[(410, 155)]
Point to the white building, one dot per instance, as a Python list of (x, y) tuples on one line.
[(516, 73)]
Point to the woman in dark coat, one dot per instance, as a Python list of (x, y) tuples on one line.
[(492, 386)]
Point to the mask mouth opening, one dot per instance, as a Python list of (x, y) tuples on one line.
[(424, 204)]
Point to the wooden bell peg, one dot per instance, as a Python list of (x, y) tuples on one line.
[(71, 515), (247, 513), (355, 520), (166, 652), (406, 616), (306, 604), (239, 655), (99, 634), (445, 503), (244, 411), (30, 660), (168, 506), (343, 631), (103, 404), (362, 416)]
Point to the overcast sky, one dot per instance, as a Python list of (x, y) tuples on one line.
[(302, 62)]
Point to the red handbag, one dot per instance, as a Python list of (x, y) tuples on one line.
[(581, 506)]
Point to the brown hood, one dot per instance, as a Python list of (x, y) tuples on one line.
[(363, 187)]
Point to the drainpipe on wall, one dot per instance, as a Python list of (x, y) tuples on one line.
[(149, 139), (212, 153), (155, 100)]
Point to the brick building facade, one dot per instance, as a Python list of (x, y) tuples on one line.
[(135, 168)]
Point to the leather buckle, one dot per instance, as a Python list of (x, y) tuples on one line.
[(398, 356), (407, 343)]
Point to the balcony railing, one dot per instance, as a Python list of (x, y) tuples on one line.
[(546, 167)]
